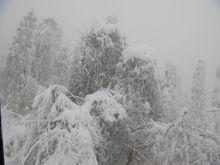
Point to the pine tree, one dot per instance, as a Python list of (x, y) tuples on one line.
[(18, 63), (198, 96), (95, 59), (216, 93), (171, 91), (216, 101), (47, 48)]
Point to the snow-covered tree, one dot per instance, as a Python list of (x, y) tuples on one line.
[(216, 93), (18, 63), (47, 48), (171, 91), (61, 67), (118, 109), (95, 59), (198, 96), (184, 144), (146, 138), (104, 106), (216, 101), (138, 79), (198, 92), (60, 133)]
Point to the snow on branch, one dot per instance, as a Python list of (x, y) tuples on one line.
[(105, 104), (68, 135), (142, 52)]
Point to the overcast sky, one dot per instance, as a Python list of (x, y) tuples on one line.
[(181, 31)]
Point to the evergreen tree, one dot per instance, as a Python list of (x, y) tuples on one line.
[(61, 67), (18, 63), (171, 91), (47, 48), (216, 93), (95, 59), (138, 79), (198, 96), (216, 101)]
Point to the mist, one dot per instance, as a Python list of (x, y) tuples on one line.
[(181, 31)]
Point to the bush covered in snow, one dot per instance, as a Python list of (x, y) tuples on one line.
[(104, 106), (183, 144), (60, 132)]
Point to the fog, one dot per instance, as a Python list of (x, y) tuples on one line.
[(181, 31)]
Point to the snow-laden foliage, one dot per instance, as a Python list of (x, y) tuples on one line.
[(143, 52), (216, 93), (30, 61), (184, 144), (120, 111), (18, 64), (14, 135), (14, 142), (95, 59), (145, 141), (198, 92), (137, 78), (47, 47), (198, 96), (216, 101), (61, 67), (171, 91), (104, 105), (60, 132)]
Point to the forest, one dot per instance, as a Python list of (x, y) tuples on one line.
[(102, 102)]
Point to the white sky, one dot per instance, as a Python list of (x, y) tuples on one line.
[(182, 31)]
